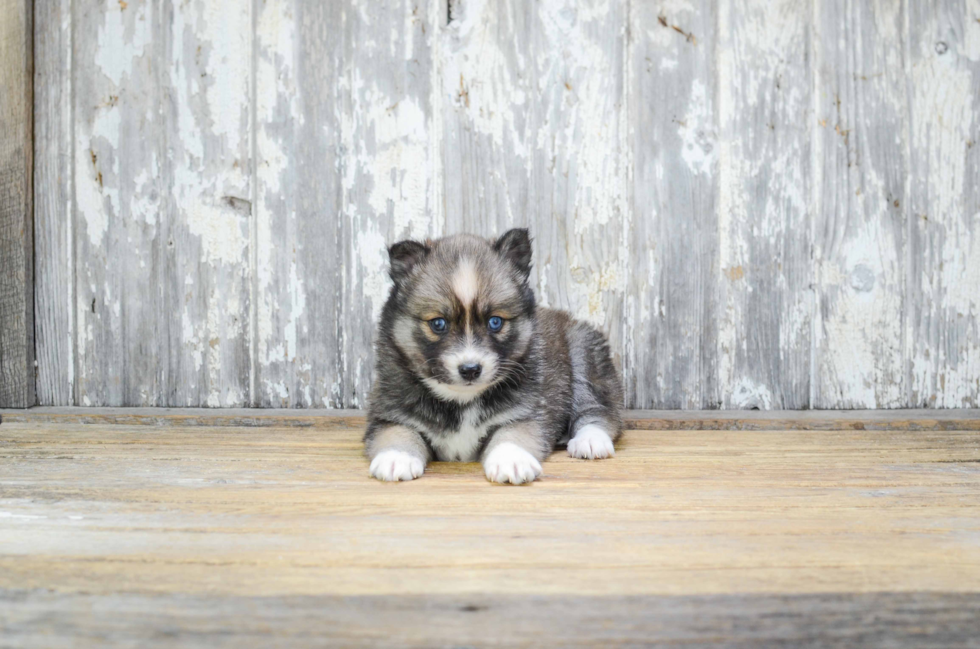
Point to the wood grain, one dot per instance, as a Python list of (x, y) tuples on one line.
[(895, 620), (332, 419), (487, 91), (763, 306), (207, 78), (16, 205), (860, 194), (297, 269), (162, 162), (192, 528), (943, 217), (54, 264), (121, 212), (670, 358)]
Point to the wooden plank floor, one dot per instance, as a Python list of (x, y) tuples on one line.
[(213, 536)]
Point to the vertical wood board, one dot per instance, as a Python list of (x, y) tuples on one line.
[(943, 81), (861, 168), (161, 172), (16, 205), (54, 262), (763, 305), (296, 232), (673, 240)]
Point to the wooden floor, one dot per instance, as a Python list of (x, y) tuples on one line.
[(161, 533)]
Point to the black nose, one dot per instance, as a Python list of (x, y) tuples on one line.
[(470, 371)]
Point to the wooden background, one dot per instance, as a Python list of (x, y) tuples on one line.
[(767, 204)]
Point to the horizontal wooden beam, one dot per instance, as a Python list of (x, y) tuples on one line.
[(798, 620), (16, 205), (635, 419)]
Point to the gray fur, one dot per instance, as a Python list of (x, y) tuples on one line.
[(555, 374)]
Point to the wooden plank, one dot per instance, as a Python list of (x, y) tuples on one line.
[(297, 354), (391, 163), (882, 420), (674, 239), (324, 419), (47, 619), (860, 173), (693, 537), (943, 81), (346, 156), (487, 98), (763, 305), (534, 135), (16, 205), (161, 185), (122, 208), (207, 70), (53, 204)]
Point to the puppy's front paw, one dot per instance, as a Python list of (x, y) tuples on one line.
[(591, 443), (508, 462), (394, 465)]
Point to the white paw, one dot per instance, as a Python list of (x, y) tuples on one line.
[(591, 443), (508, 462), (396, 465)]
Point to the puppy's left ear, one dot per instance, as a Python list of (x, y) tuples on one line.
[(404, 256), (515, 246)]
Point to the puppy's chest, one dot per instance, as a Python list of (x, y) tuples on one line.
[(463, 444)]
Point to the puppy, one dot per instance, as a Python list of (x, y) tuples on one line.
[(468, 368)]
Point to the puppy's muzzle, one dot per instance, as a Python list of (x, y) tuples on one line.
[(470, 371)]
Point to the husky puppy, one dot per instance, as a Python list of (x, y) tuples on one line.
[(469, 369)]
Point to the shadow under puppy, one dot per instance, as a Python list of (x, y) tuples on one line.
[(468, 368)]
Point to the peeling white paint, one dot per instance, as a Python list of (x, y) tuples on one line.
[(122, 38), (479, 77), (861, 336), (275, 82), (223, 234), (372, 260), (297, 311), (546, 129), (394, 164), (946, 359), (697, 131), (747, 395), (228, 69), (89, 200)]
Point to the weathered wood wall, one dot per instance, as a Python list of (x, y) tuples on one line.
[(16, 210), (765, 204)]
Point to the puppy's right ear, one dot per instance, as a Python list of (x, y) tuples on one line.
[(403, 256)]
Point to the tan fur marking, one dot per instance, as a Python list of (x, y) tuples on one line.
[(428, 333)]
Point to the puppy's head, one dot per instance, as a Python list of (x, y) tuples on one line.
[(461, 310)]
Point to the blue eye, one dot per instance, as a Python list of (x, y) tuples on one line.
[(495, 324), (438, 325)]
